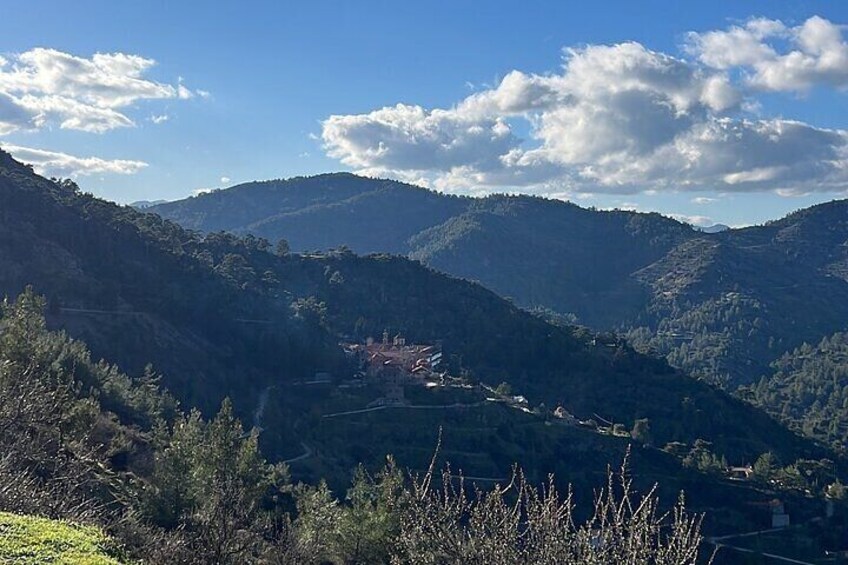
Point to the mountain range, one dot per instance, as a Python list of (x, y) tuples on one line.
[(219, 315), (722, 305)]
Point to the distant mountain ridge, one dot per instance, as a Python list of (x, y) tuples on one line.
[(453, 234), (714, 228), (142, 204), (722, 306), (338, 203)]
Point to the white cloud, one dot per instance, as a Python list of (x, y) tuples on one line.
[(55, 164), (13, 115), (160, 119), (737, 46), (616, 119), (72, 114), (409, 137), (225, 180), (699, 221), (45, 86), (628, 206), (703, 200), (778, 58), (184, 93)]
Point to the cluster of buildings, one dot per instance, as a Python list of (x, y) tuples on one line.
[(776, 510), (393, 363)]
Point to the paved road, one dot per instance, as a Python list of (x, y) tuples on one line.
[(746, 534), (404, 406), (307, 453), (764, 554), (718, 542), (107, 312)]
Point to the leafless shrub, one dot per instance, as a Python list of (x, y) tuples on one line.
[(449, 523)]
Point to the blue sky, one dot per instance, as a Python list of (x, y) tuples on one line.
[(243, 91)]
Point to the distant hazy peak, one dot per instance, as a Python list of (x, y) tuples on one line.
[(715, 228), (143, 204)]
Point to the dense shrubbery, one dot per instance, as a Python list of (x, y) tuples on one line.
[(63, 452)]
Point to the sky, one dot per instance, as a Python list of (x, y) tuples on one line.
[(713, 112)]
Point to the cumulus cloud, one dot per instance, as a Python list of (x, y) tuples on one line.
[(616, 119), (56, 164), (410, 137), (699, 221), (777, 57), (44, 86), (13, 115)]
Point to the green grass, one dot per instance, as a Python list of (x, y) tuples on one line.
[(25, 539)]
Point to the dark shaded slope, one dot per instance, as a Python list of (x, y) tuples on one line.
[(142, 290), (381, 220), (720, 306), (542, 253), (553, 254), (552, 365), (245, 204), (321, 212)]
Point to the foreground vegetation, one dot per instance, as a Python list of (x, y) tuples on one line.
[(85, 443), (25, 539)]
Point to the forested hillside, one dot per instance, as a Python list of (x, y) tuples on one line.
[(727, 305), (141, 290), (809, 388), (320, 212), (538, 252), (218, 315), (721, 306)]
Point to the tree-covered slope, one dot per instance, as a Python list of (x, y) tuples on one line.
[(539, 252), (809, 388), (727, 305), (85, 443), (140, 290), (553, 254), (219, 315), (591, 377), (319, 212), (721, 306)]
